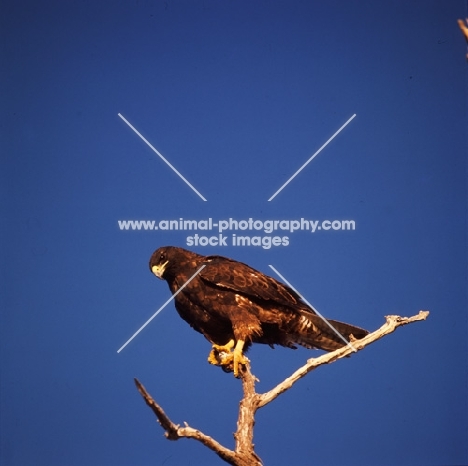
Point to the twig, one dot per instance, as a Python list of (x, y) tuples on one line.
[(244, 454), (175, 432), (464, 28)]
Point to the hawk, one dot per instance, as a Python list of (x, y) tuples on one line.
[(234, 305)]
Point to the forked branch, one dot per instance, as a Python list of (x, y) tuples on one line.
[(244, 454)]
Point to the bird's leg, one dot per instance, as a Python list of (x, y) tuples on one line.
[(220, 353), (239, 357)]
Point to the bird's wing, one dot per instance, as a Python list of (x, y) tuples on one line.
[(238, 277)]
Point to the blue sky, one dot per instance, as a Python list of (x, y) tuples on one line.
[(237, 96)]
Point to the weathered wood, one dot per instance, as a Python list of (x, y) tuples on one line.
[(244, 453)]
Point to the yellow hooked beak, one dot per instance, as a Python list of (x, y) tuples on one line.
[(158, 270)]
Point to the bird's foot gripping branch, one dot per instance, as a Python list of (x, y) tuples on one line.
[(221, 355), (244, 454), (228, 358)]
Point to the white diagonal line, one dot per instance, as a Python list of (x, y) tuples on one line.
[(161, 308), (315, 310), (160, 155), (311, 158)]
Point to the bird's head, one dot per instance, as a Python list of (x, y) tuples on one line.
[(159, 261), (164, 261)]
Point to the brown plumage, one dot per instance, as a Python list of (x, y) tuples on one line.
[(234, 305)]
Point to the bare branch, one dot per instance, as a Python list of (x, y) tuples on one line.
[(391, 324), (175, 432), (244, 454), (464, 28)]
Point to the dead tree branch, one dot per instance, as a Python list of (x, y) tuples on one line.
[(392, 322), (464, 28), (175, 432), (244, 454)]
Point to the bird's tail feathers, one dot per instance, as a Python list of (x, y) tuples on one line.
[(312, 331)]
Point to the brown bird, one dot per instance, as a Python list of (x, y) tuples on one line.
[(234, 305)]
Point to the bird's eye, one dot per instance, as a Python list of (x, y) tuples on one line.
[(162, 257)]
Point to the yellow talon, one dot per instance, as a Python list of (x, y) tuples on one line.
[(221, 355), (212, 359)]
